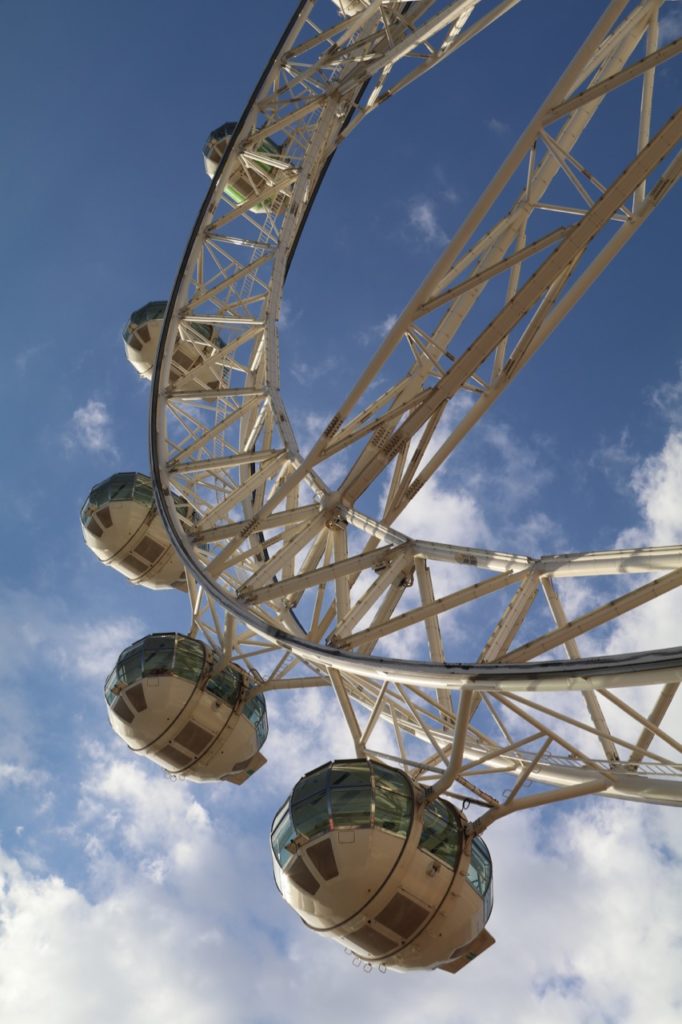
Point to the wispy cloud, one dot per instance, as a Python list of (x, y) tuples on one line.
[(668, 397), (377, 331), (670, 27), (307, 373), (422, 216), (497, 127), (90, 428)]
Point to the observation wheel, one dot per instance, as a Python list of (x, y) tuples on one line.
[(303, 583)]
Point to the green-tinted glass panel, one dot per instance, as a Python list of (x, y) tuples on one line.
[(441, 834), (158, 655), (312, 783), (256, 712), (393, 811), (129, 667), (350, 774), (479, 871), (351, 806), (142, 490), (190, 656), (226, 685), (283, 833), (311, 817), (391, 778), (109, 694), (121, 487)]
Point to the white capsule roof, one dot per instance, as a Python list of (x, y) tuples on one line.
[(365, 860), (122, 527), (167, 701)]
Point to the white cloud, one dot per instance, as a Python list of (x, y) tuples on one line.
[(657, 487), (378, 331), (18, 775), (90, 428), (668, 397), (497, 127), (422, 217), (183, 922), (670, 27)]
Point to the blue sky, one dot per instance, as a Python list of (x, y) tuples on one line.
[(124, 896)]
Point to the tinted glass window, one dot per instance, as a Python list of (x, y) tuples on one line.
[(158, 654), (312, 783), (441, 833), (311, 817), (283, 834), (226, 685), (353, 774), (190, 656), (479, 871), (351, 806), (393, 811)]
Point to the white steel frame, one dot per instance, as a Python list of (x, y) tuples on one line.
[(279, 562)]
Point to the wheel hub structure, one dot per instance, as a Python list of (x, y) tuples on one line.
[(305, 584)]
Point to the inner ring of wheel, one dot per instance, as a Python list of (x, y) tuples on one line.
[(652, 666)]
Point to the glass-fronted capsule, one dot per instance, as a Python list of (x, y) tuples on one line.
[(121, 525), (141, 336), (363, 858), (255, 170), (168, 701)]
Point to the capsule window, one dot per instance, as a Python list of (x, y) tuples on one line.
[(94, 528), (136, 697), (351, 807), (480, 869), (158, 655), (189, 660), (441, 833), (402, 915), (393, 811), (283, 837), (121, 709), (323, 860), (175, 757), (226, 684), (142, 490), (352, 774), (150, 549), (256, 713), (301, 876), (104, 517), (194, 737), (129, 667), (372, 941), (134, 564), (309, 784), (183, 360), (311, 817)]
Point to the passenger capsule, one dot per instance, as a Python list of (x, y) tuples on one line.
[(349, 7), (363, 858), (197, 343), (256, 170), (121, 525), (169, 701)]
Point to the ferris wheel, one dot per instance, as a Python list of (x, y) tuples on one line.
[(294, 582)]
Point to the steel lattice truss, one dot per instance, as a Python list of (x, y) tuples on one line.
[(293, 578)]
